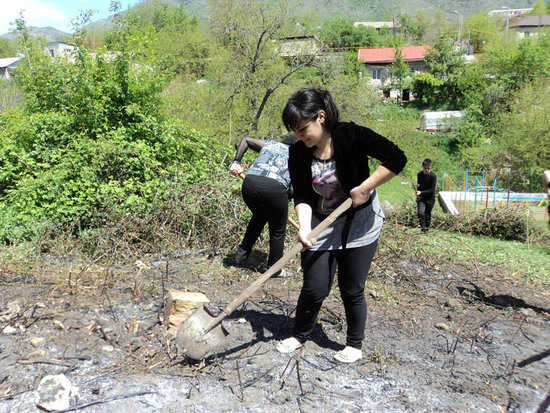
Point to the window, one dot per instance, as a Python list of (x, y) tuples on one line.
[(376, 75)]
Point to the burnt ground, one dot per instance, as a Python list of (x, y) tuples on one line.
[(437, 340)]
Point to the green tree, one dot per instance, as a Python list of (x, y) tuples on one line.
[(339, 32), (412, 29), (446, 65), (480, 29), (253, 32), (399, 72), (521, 138), (514, 63), (539, 8), (8, 48)]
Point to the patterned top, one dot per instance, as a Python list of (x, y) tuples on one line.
[(272, 162), (367, 221)]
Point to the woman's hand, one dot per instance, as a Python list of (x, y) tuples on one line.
[(359, 195), (236, 169), (302, 237)]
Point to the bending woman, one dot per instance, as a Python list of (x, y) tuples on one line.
[(328, 164), (265, 190)]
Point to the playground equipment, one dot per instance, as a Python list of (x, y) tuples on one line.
[(472, 190)]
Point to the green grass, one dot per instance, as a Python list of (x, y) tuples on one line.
[(526, 263), (396, 192), (529, 264)]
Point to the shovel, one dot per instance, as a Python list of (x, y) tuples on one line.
[(202, 332)]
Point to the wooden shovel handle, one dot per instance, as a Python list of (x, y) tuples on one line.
[(279, 264)]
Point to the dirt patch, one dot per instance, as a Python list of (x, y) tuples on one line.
[(436, 341)]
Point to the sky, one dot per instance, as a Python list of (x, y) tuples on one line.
[(53, 13)]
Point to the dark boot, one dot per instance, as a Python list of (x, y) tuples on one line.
[(241, 255)]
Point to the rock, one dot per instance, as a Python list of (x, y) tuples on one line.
[(37, 353), (54, 393), (179, 306), (107, 347), (9, 330), (387, 206), (205, 277), (453, 303), (37, 341), (528, 312), (442, 326)]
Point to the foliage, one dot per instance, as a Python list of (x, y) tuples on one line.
[(481, 29), (514, 63), (524, 132), (440, 87), (10, 95), (255, 69), (92, 138), (539, 8), (339, 32), (7, 48), (413, 29), (399, 72), (427, 88), (178, 44)]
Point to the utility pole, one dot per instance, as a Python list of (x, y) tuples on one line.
[(460, 25)]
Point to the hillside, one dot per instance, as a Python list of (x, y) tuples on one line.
[(359, 10), (49, 33), (373, 10)]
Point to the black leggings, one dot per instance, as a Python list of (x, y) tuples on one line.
[(319, 268), (268, 201)]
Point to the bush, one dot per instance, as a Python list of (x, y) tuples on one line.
[(509, 222)]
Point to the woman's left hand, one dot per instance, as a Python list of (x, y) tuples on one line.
[(359, 196)]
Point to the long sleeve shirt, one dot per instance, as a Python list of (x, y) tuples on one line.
[(426, 185)]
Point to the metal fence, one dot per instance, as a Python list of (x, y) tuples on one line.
[(465, 191)]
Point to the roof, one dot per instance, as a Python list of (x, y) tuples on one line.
[(532, 21), (376, 25), (387, 54), (8, 61)]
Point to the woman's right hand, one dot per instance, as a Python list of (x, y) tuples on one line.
[(236, 169)]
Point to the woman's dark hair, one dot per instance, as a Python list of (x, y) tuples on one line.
[(288, 139), (305, 104)]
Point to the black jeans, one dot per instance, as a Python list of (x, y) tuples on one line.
[(425, 213), (268, 201), (319, 268)]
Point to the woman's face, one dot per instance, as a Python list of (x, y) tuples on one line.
[(311, 131)]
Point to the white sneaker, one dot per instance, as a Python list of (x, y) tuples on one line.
[(283, 274), (349, 355), (288, 345)]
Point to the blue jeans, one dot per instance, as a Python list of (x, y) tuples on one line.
[(319, 268)]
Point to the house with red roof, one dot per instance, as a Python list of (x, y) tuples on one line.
[(377, 61)]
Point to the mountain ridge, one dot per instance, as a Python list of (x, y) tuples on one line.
[(358, 10)]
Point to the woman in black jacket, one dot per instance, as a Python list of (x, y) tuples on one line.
[(328, 164)]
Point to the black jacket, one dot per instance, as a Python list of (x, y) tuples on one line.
[(353, 145)]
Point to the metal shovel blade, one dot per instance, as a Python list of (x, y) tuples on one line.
[(194, 338)]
